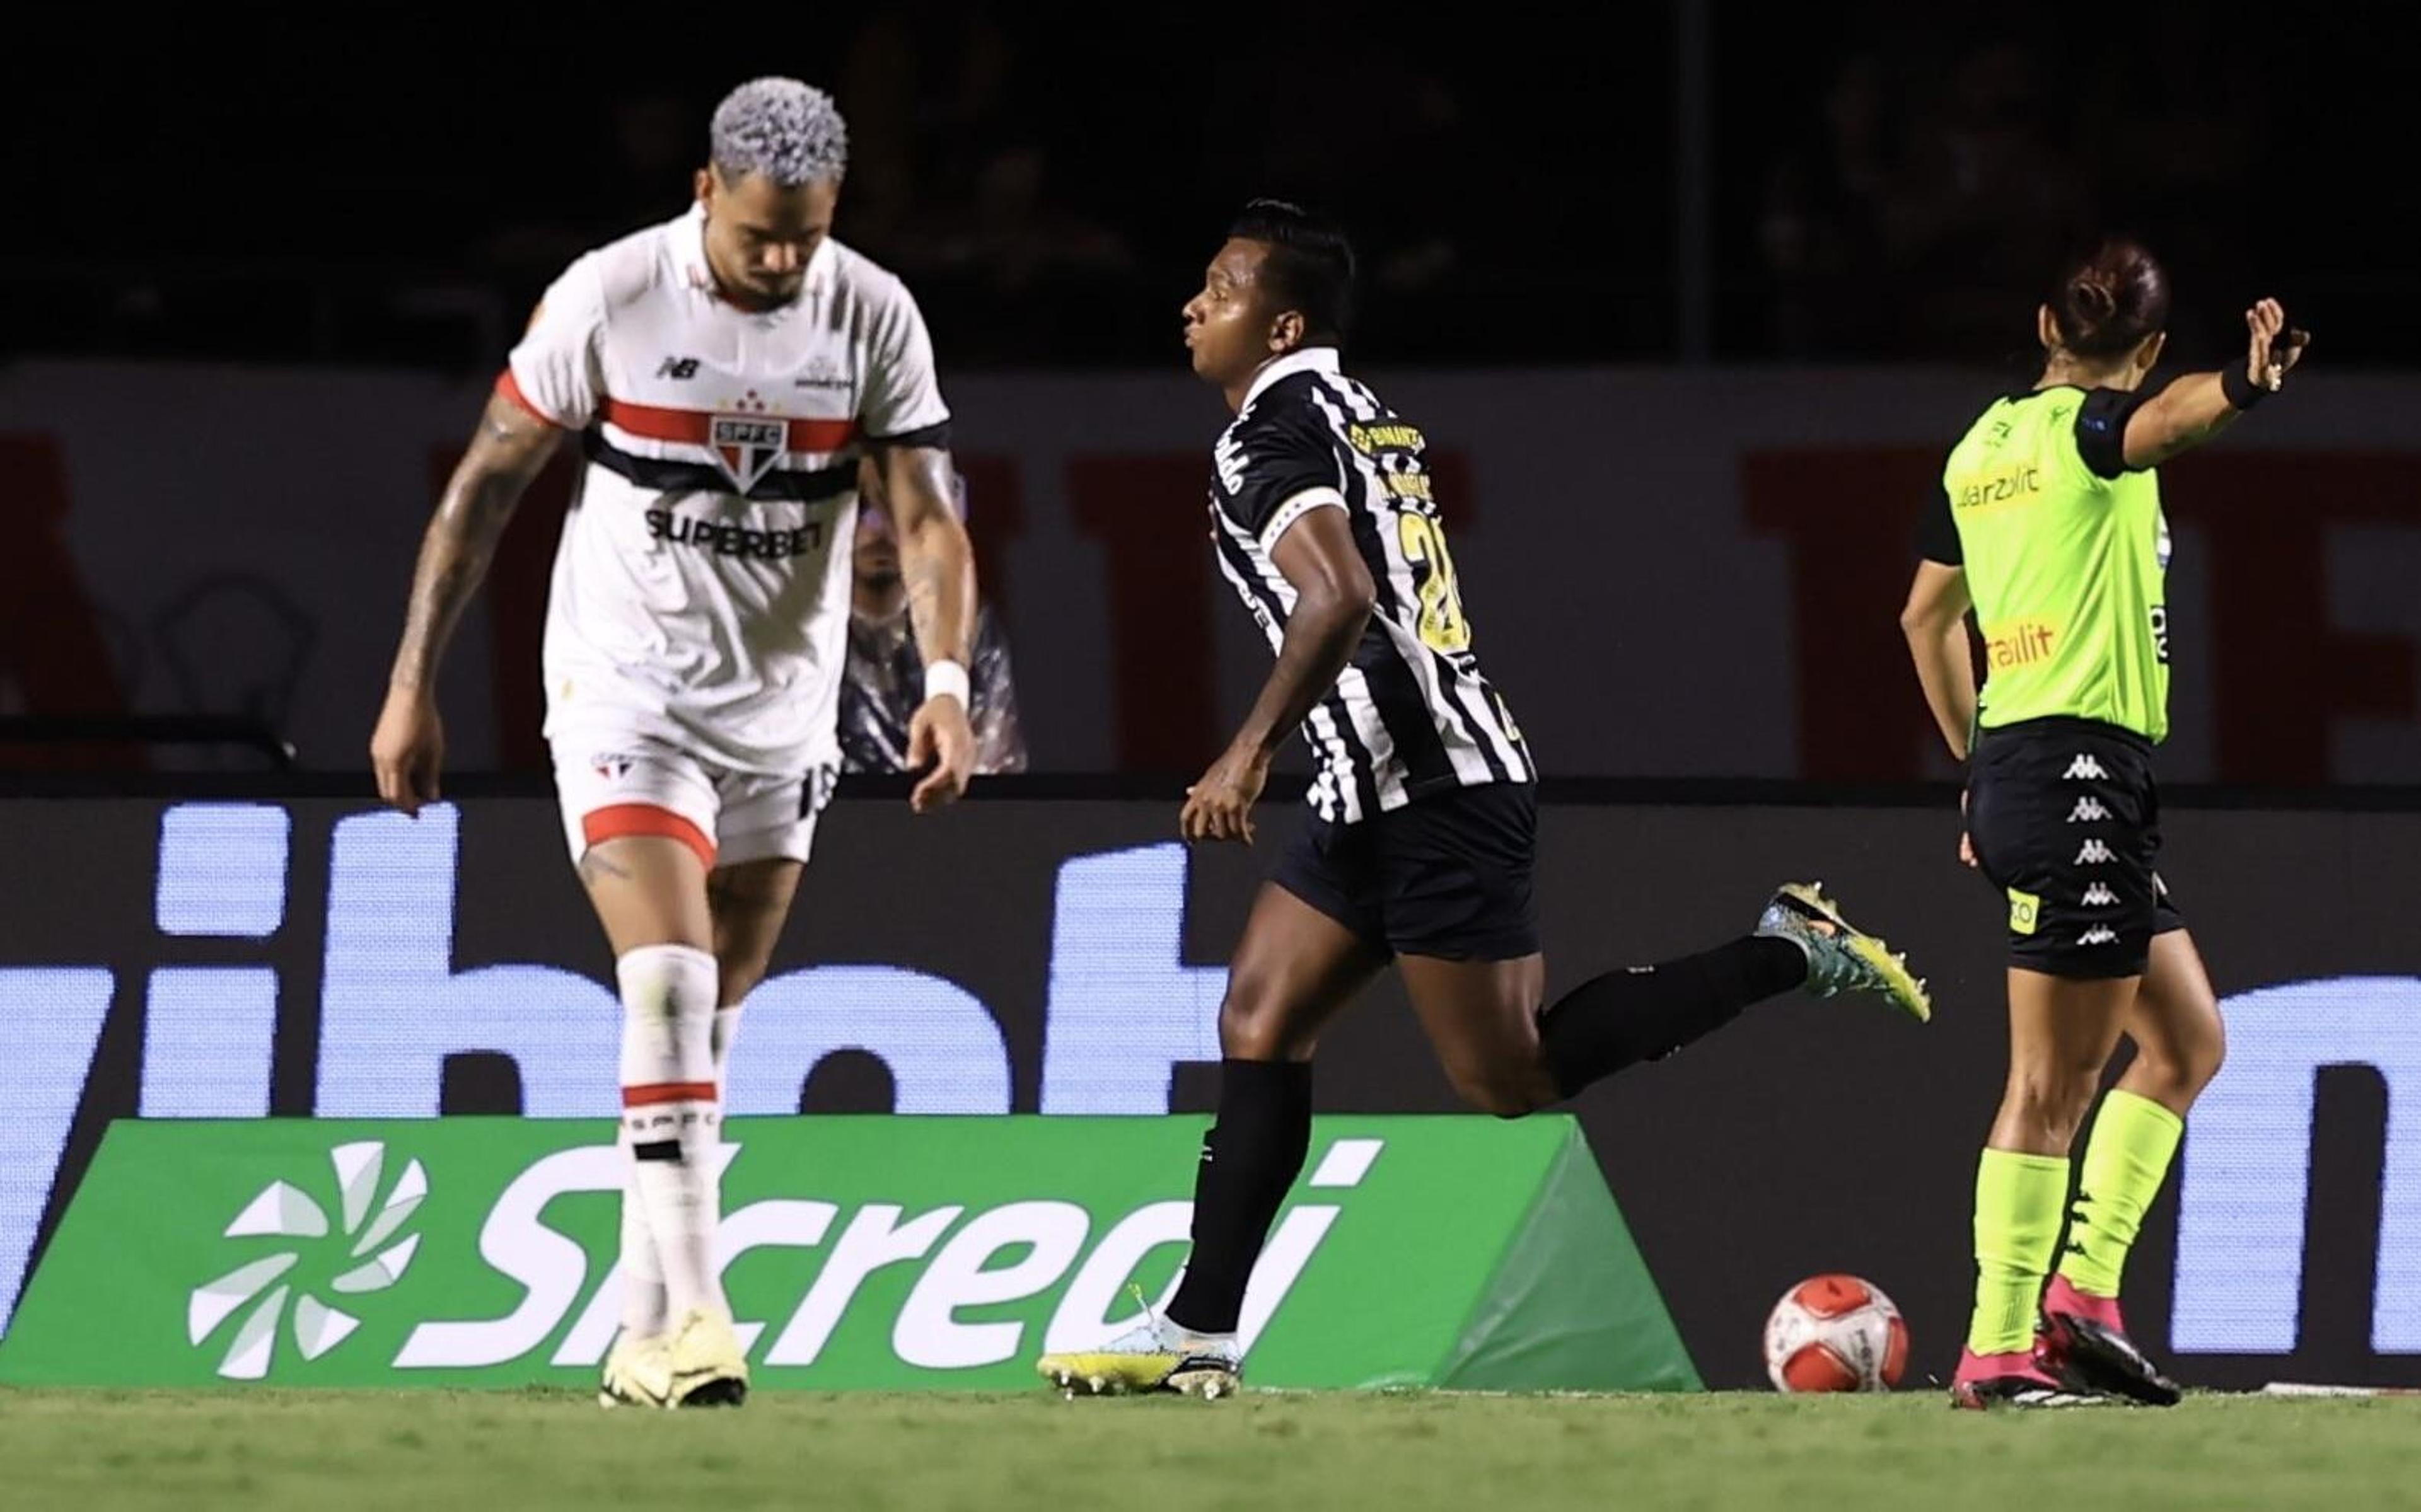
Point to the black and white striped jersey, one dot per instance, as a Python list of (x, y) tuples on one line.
[(1411, 714)]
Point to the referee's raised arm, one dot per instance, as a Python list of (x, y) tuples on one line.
[(2199, 406)]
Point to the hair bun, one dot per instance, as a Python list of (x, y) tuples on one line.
[(2110, 300)]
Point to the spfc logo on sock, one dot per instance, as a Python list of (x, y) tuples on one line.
[(747, 447)]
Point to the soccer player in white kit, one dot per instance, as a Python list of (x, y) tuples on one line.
[(723, 372)]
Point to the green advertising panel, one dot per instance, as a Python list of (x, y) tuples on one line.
[(866, 1252)]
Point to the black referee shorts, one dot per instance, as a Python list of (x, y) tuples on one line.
[(1447, 875), (2065, 821)]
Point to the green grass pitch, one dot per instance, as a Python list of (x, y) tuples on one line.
[(265, 1451)]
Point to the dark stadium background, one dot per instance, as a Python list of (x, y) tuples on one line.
[(1638, 183), (1703, 208)]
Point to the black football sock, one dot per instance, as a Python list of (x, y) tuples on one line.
[(1645, 1013), (1250, 1157)]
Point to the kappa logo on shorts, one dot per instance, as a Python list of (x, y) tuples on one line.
[(2026, 912), (2099, 896), (2100, 934), (747, 447), (2095, 853), (2087, 811), (2087, 768)]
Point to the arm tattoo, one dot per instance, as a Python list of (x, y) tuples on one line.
[(507, 451)]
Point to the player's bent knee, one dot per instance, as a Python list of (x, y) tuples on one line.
[(1253, 1026), (2180, 1078), (2207, 1052)]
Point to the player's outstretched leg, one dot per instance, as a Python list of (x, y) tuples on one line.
[(1645, 1013), (2178, 1045), (1294, 969)]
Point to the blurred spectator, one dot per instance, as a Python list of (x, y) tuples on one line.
[(885, 681), (2176, 147), (1994, 204), (652, 145), (1362, 139), (950, 182), (1888, 180), (1826, 205)]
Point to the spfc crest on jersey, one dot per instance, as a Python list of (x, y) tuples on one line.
[(747, 447)]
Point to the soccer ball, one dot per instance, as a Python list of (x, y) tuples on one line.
[(1834, 1333)]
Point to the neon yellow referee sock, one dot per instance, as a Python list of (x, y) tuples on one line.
[(2125, 1162), (2017, 1200)]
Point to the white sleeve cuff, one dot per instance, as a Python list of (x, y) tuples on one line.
[(1295, 508)]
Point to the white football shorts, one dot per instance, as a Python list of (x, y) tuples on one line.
[(615, 785)]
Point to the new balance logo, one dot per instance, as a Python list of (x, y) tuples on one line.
[(2087, 768), (2087, 811), (2100, 934), (2099, 896), (2095, 853), (678, 367)]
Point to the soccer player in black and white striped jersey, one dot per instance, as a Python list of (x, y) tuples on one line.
[(1420, 845)]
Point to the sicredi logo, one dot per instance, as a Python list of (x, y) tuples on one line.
[(346, 1258), (1049, 1245)]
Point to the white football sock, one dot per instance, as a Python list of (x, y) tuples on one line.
[(672, 1113), (644, 1311)]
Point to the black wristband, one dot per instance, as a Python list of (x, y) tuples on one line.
[(2239, 389)]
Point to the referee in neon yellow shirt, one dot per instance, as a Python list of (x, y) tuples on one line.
[(2050, 528)]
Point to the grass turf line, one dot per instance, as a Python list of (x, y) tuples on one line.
[(269, 1451)]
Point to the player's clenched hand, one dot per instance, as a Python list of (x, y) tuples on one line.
[(407, 748), (940, 736), (1220, 807)]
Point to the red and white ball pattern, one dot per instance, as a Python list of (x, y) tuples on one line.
[(1834, 1333)]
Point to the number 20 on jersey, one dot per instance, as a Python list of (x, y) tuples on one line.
[(1443, 627)]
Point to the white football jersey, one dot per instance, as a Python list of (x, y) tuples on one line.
[(701, 590)]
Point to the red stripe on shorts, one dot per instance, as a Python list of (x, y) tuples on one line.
[(617, 822)]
